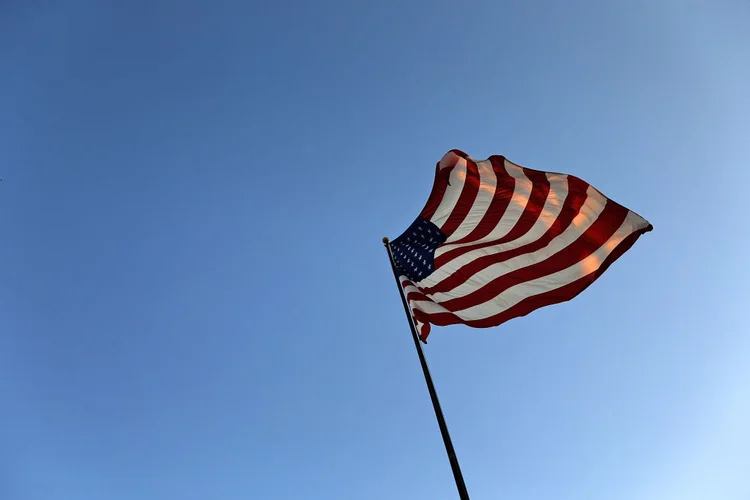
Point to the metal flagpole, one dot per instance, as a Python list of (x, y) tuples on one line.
[(460, 485)]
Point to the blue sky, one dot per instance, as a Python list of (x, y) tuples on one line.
[(194, 299)]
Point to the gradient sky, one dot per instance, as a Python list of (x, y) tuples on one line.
[(195, 302)]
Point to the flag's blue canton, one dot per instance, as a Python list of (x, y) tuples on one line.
[(414, 251)]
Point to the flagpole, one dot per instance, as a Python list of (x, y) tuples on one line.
[(460, 485)]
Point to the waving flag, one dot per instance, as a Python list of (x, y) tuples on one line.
[(496, 241)]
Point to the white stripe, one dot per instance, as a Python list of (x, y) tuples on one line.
[(521, 194), (487, 187), (590, 264), (448, 203), (589, 212)]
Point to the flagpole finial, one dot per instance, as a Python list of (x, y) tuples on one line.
[(385, 240)]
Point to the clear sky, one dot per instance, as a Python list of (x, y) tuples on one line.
[(195, 302)]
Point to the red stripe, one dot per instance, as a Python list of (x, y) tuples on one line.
[(439, 187), (424, 331), (570, 209), (594, 237), (530, 304), (418, 296), (465, 200), (500, 201)]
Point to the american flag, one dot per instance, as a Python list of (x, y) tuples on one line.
[(496, 241)]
